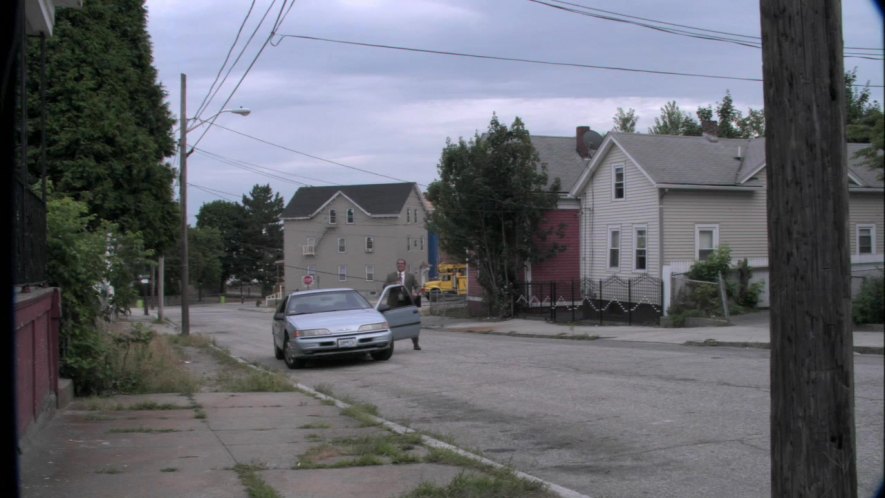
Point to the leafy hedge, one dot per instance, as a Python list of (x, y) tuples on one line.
[(699, 298), (84, 258), (869, 305)]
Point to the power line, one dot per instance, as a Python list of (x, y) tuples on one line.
[(517, 59), (280, 18), (305, 154), (217, 193), (530, 61), (751, 41), (206, 99), (248, 165)]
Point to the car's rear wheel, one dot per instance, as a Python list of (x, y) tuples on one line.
[(277, 352), (289, 356), (383, 355)]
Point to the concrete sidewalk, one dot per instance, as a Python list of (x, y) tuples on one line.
[(212, 444), (206, 444), (746, 331), (200, 446)]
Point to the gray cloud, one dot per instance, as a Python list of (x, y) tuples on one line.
[(390, 111)]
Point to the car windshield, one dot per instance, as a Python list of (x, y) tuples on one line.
[(325, 302)]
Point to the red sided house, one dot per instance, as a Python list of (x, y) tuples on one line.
[(566, 158)]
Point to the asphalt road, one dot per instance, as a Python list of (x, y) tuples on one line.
[(603, 418)]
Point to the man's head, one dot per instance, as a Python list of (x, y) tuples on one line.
[(401, 265)]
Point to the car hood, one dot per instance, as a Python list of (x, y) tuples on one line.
[(338, 322)]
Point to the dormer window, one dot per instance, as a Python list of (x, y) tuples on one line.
[(333, 217), (350, 215)]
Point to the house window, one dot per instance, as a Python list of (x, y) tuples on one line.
[(408, 243), (309, 247), (640, 248), (342, 273), (370, 244), (333, 217), (618, 181), (342, 246), (370, 272), (350, 215), (422, 243), (706, 240), (415, 215), (408, 216), (614, 246), (866, 239)]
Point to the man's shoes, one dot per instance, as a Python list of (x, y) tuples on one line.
[(417, 347)]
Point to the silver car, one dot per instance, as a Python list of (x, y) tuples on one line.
[(329, 322)]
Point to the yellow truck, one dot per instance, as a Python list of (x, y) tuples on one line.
[(452, 280)]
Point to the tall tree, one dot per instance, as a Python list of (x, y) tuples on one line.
[(489, 201), (262, 236), (812, 377), (862, 113), (752, 125), (729, 117), (206, 252), (229, 218), (733, 124), (673, 121), (625, 121), (108, 127), (872, 155)]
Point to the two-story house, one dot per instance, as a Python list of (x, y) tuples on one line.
[(654, 204), (352, 235)]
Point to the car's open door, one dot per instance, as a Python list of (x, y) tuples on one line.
[(400, 311)]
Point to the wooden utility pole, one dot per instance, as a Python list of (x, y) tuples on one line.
[(812, 372)]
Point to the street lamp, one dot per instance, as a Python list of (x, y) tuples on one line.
[(182, 150)]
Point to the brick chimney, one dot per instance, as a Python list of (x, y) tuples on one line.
[(710, 130), (580, 144)]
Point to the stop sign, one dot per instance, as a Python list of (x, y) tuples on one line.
[(308, 279)]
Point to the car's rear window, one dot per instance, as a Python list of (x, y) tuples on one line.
[(325, 302)]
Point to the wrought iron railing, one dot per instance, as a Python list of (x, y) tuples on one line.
[(613, 299), (31, 252)]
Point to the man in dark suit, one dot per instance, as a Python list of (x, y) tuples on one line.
[(406, 279)]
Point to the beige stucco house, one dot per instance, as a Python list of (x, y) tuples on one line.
[(352, 235)]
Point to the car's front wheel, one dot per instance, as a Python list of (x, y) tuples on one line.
[(384, 354), (277, 352), (289, 356)]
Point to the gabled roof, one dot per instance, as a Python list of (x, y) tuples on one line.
[(859, 172), (381, 199), (671, 161), (561, 159)]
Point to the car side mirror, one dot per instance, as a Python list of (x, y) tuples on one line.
[(383, 307)]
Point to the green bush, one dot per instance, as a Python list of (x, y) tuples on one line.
[(708, 270), (697, 298), (867, 307), (84, 253)]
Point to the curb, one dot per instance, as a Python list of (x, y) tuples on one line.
[(705, 343), (562, 491)]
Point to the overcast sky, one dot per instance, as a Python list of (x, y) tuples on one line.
[(327, 113)]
